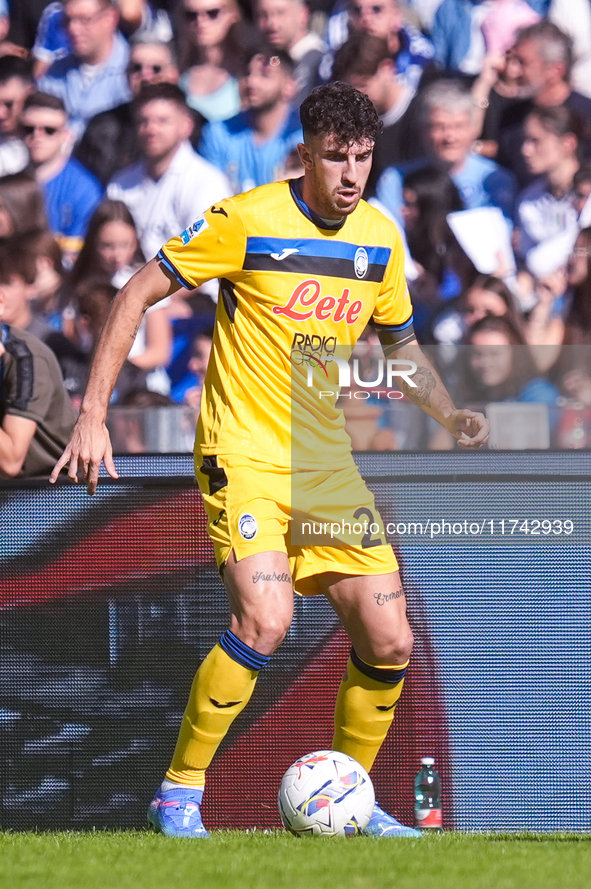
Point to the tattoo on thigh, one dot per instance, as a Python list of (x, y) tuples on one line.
[(260, 576), (382, 598)]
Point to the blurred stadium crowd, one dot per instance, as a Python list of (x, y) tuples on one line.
[(122, 120)]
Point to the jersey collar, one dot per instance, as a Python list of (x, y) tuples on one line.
[(295, 187)]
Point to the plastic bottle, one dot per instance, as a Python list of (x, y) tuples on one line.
[(428, 797)]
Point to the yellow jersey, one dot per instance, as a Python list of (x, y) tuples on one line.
[(294, 294)]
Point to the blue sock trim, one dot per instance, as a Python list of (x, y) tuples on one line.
[(388, 675), (241, 653)]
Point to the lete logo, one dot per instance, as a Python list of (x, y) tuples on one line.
[(308, 294)]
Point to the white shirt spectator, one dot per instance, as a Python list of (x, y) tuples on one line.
[(541, 216), (163, 208)]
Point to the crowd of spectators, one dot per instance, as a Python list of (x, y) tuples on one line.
[(122, 120)]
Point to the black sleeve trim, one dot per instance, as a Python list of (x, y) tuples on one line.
[(25, 374)]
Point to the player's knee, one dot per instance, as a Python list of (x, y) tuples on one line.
[(403, 646), (395, 649), (265, 633)]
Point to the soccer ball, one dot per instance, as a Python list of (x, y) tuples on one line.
[(326, 794)]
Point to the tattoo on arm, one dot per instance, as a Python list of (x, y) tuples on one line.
[(425, 383), (260, 576), (382, 598)]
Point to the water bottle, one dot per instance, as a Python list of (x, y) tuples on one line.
[(428, 796)]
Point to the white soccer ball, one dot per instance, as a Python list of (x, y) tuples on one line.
[(326, 793)]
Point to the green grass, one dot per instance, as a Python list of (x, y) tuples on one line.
[(235, 860)]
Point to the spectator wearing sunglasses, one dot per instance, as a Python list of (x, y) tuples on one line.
[(71, 193), (109, 143), (411, 51), (92, 77), (214, 44)]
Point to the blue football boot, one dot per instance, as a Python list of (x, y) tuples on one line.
[(176, 813), (383, 825)]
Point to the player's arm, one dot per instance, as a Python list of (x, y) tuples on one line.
[(425, 388), (89, 442)]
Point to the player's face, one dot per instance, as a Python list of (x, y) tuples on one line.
[(162, 126), (116, 245), (150, 63), (451, 135), (282, 21), (45, 133), (334, 175)]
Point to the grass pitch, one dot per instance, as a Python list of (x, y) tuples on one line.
[(238, 860)]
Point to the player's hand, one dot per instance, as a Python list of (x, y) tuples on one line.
[(89, 446), (470, 428)]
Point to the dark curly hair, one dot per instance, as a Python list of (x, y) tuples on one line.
[(339, 109)]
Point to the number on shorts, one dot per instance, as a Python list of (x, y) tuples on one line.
[(367, 540)]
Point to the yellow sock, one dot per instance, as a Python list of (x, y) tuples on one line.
[(365, 708), (221, 690)]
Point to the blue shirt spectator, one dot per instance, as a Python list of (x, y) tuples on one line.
[(71, 197), (71, 193), (252, 147), (480, 181), (52, 41), (233, 147), (92, 77), (450, 128)]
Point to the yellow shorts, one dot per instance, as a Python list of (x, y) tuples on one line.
[(324, 520)]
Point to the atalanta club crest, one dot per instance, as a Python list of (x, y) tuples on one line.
[(361, 262), (247, 525)]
